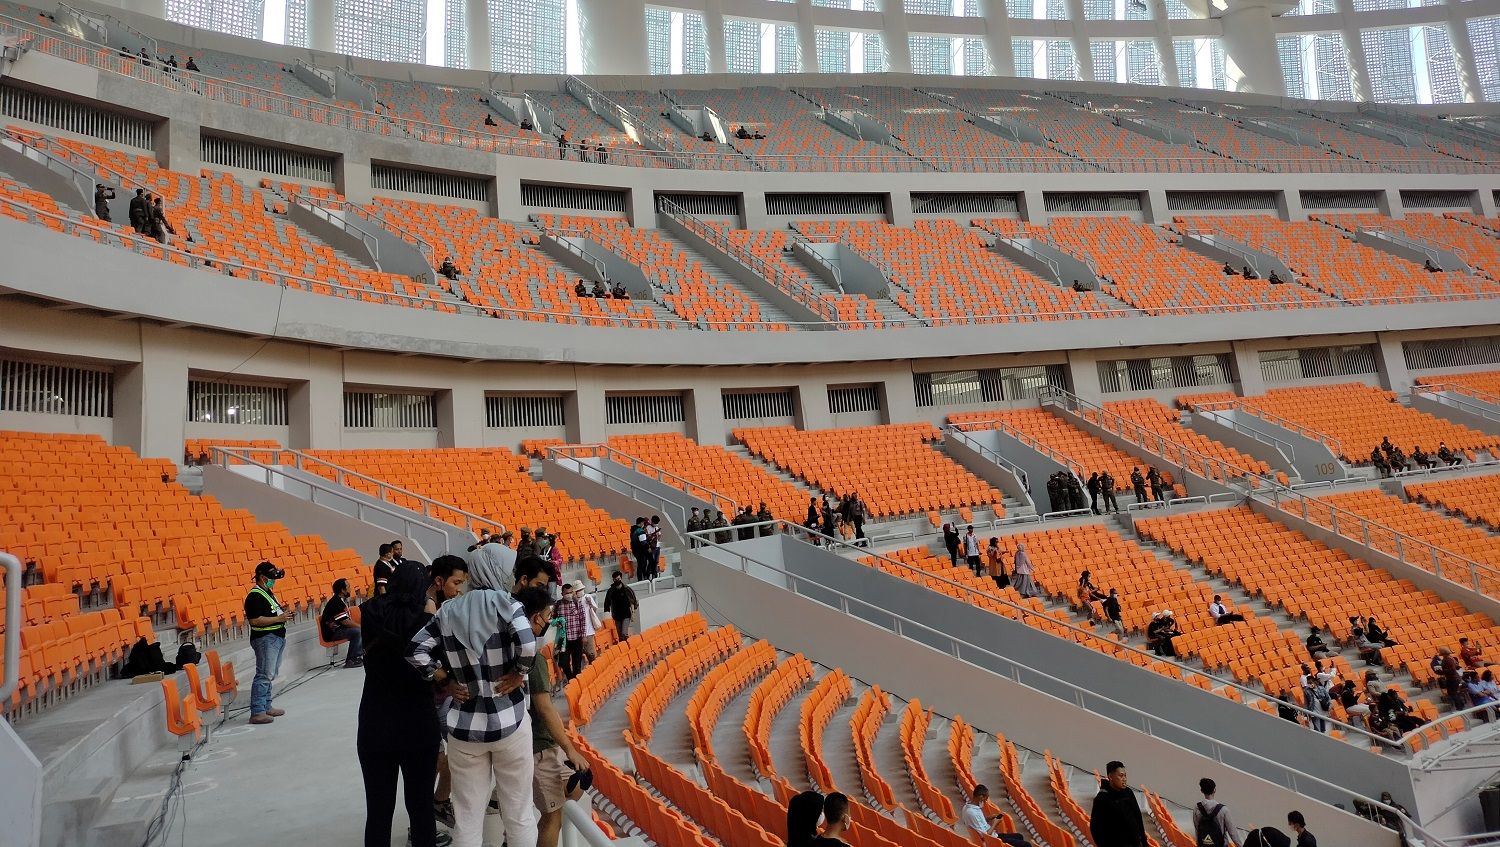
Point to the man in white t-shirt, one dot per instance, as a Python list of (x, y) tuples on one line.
[(973, 812), (971, 551), (591, 622)]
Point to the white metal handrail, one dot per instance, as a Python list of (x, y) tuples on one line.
[(576, 452), (962, 436), (1487, 405), (12, 654), (1241, 404)]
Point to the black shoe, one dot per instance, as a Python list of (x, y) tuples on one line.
[(355, 663)]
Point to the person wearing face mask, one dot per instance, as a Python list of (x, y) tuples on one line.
[(836, 821), (339, 626), (267, 620)]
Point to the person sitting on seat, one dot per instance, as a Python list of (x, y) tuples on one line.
[(1079, 287), (1316, 647), (489, 120), (1446, 454), (707, 136), (1381, 465), (1368, 650), (1221, 614), (741, 132), (527, 125), (448, 269), (1471, 656), (1229, 269), (599, 291), (1274, 279), (338, 626), (1428, 266), (619, 292), (1250, 273), (579, 289), (1421, 459)]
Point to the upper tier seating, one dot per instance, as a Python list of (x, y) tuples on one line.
[(1145, 268), (1356, 145), (1090, 453), (648, 106), (892, 468), (441, 106), (1091, 137), (766, 247), (934, 129), (490, 482), (943, 273), (1167, 424), (1477, 246), (1412, 520), (1474, 498), (498, 272), (1325, 585), (263, 450), (795, 140), (582, 126), (1358, 416), (1484, 382), (1326, 260), (716, 469), (260, 73), (1224, 134), (688, 288)]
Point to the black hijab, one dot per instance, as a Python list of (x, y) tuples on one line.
[(802, 814), (396, 615)]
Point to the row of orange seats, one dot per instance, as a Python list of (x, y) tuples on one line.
[(1483, 382), (1085, 452), (1454, 538), (767, 248), (718, 470), (1454, 231), (1473, 498)]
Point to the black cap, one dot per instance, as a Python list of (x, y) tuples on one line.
[(266, 569)]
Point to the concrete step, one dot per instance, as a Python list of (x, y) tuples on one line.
[(767, 311), (890, 760)]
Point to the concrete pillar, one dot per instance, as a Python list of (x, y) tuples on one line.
[(1289, 205), (477, 32), (177, 146), (1033, 206), (812, 404), (614, 36), (151, 397), (320, 25), (1388, 202), (1154, 206), (585, 409), (1247, 369), (705, 414), (1484, 203), (1463, 52), (807, 38), (713, 36), (1354, 48), (753, 203), (997, 43), (1080, 41), (1253, 63), (643, 208), (460, 416), (895, 37), (353, 177), (899, 397), (1162, 27), (315, 405), (1390, 357), (900, 206), (1083, 375)]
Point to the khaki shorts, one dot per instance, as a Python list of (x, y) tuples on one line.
[(549, 781)]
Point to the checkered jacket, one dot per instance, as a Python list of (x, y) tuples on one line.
[(486, 716)]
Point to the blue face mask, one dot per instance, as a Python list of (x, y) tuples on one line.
[(270, 584)]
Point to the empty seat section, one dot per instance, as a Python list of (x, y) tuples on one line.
[(648, 107), (1475, 245), (260, 73), (430, 110), (718, 470), (1473, 498), (1412, 520), (767, 248), (795, 140), (1167, 424), (490, 482), (1144, 266), (1326, 586), (582, 126), (1227, 134), (1327, 128), (262, 450), (1325, 259), (1090, 453), (499, 271), (893, 468), (688, 289), (942, 272), (1358, 416)]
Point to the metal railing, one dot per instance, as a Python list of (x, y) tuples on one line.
[(338, 221), (579, 829), (12, 675), (1240, 405), (572, 457), (1243, 428), (83, 180), (1487, 407), (667, 148), (1048, 261), (962, 435)]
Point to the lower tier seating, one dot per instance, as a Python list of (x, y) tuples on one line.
[(1473, 498), (716, 469), (1087, 452)]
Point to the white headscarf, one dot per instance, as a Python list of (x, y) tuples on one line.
[(477, 614)]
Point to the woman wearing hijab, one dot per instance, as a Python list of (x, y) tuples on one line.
[(1021, 578), (802, 815), (398, 727), (996, 558)]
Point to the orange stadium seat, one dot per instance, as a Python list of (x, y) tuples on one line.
[(1088, 453), (1453, 231), (1473, 498), (765, 249), (716, 469)]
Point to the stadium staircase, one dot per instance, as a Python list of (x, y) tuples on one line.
[(712, 266)]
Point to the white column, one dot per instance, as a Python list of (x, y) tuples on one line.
[(154, 8), (807, 37), (1157, 9), (997, 36), (895, 37), (713, 36), (477, 29), (1252, 61), (1081, 52), (1463, 53), (320, 25), (1354, 48), (613, 36)]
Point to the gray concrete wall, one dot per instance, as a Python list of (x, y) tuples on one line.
[(21, 802), (624, 493), (796, 309), (1037, 466), (1461, 409), (966, 450), (1310, 458), (1197, 484)]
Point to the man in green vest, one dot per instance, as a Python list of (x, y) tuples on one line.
[(267, 620)]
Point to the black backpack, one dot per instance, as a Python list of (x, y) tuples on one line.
[(1208, 833)]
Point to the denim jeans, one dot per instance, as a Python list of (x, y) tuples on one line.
[(355, 638), (267, 651)]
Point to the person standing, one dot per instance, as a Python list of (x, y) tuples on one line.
[(764, 517), (1138, 482), (267, 621), (859, 515), (1211, 824), (140, 211), (951, 542), (694, 523), (638, 548), (620, 604), (102, 196), (1298, 824), (384, 567), (484, 639), (996, 558), (971, 551), (1153, 478), (572, 613), (1115, 820), (1093, 487), (554, 758), (1111, 606), (836, 821), (498, 555), (653, 547), (160, 226), (398, 724), (1021, 580), (1107, 490)]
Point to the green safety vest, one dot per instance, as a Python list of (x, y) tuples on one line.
[(275, 610)]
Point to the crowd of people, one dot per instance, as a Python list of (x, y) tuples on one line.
[(587, 151), (602, 290), (829, 514), (1065, 493), (1389, 460), (991, 562)]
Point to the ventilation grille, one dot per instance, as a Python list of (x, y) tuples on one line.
[(715, 205), (524, 410), (1165, 372), (1364, 200), (568, 197), (44, 388), (1091, 201), (963, 203), (69, 116), (381, 410), (1221, 201), (825, 204), (262, 158), (853, 398), (643, 408), (1452, 353), (230, 403), (392, 178), (1317, 362), (957, 388), (1438, 199), (742, 405)]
